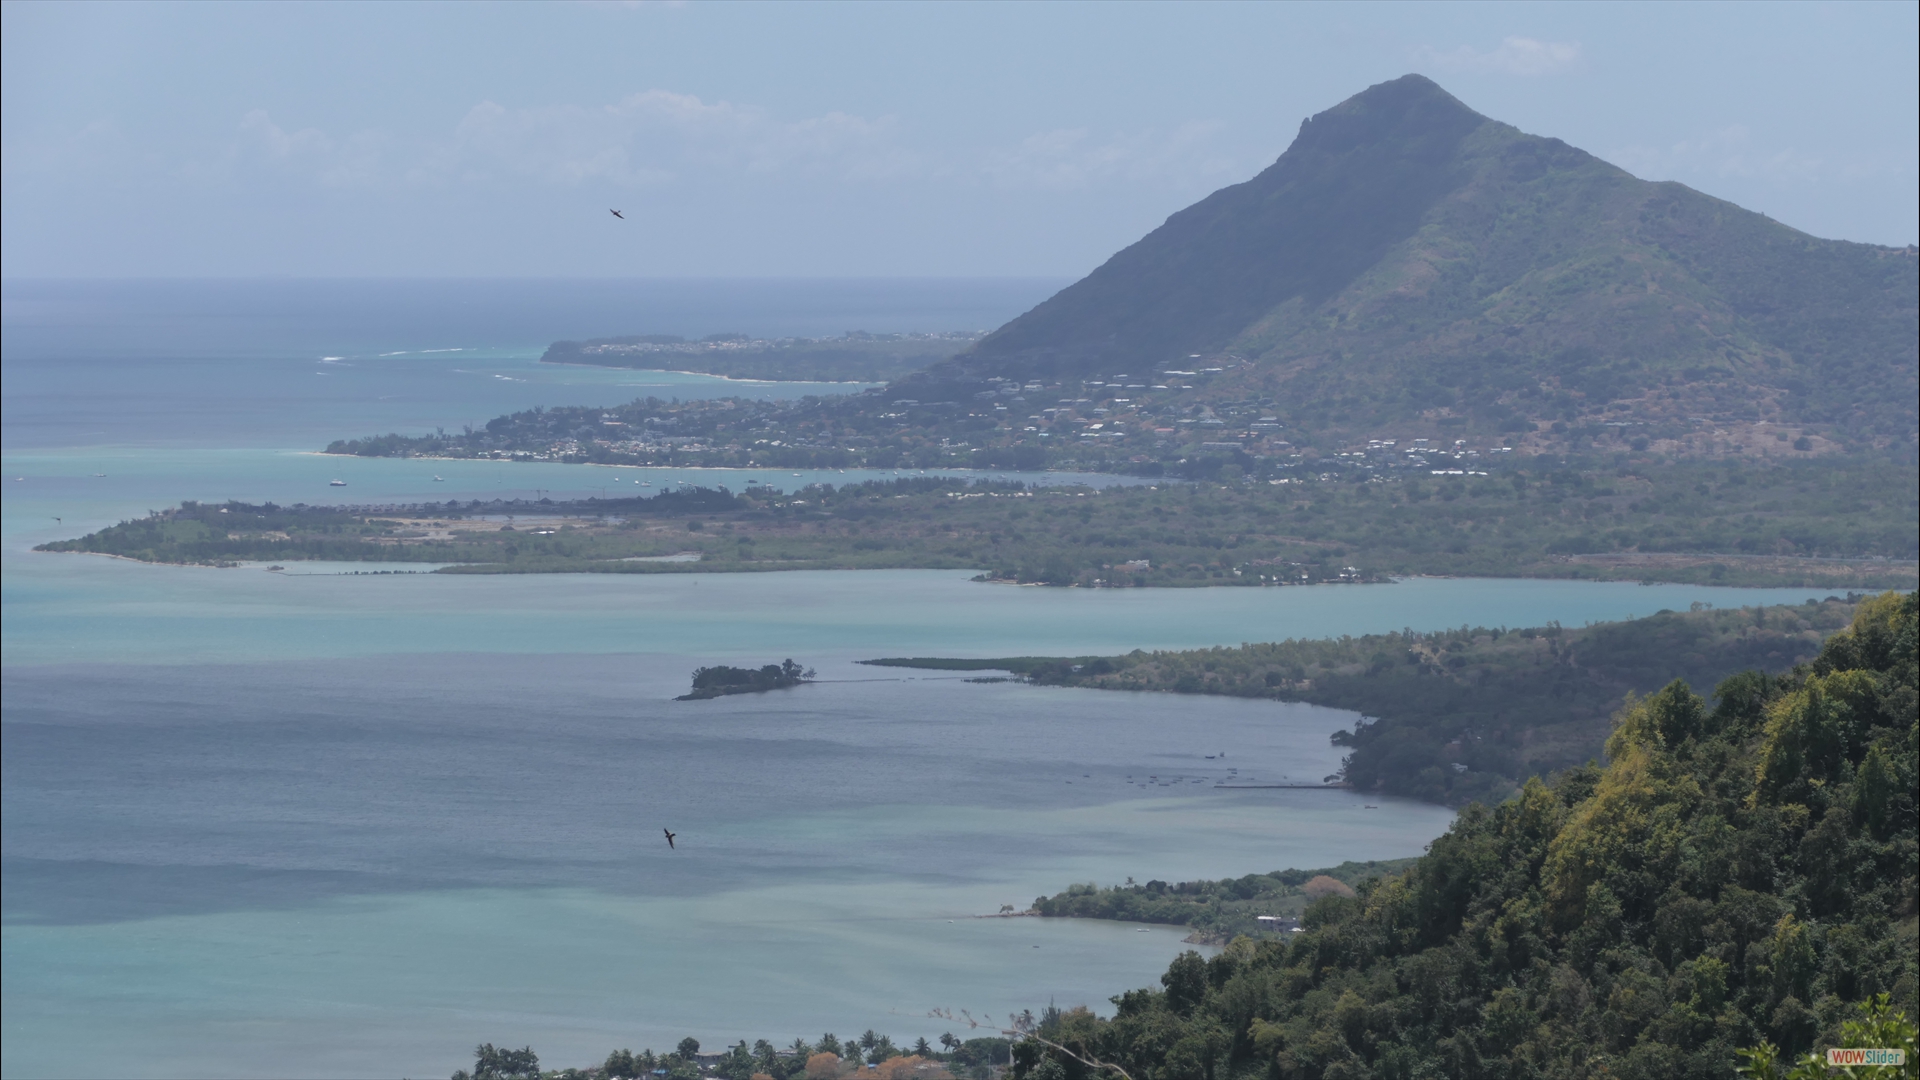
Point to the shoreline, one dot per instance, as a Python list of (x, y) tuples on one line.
[(709, 374), (962, 470)]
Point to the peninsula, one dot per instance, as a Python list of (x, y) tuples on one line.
[(1462, 715), (1695, 522), (1736, 886)]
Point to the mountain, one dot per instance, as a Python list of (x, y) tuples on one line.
[(1408, 261)]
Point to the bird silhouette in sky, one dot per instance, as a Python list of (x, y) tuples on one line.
[(670, 836), (618, 214)]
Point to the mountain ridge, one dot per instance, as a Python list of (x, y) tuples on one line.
[(1410, 261)]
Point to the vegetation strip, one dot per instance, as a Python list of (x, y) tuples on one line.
[(1256, 905), (1720, 524), (1464, 714)]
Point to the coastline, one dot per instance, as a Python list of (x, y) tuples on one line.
[(707, 374)]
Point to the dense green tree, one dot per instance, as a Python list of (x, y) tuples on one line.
[(881, 1050), (739, 1062), (1735, 874), (490, 1063)]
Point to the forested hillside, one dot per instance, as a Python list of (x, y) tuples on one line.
[(1743, 870)]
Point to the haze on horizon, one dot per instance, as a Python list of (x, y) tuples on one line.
[(760, 140)]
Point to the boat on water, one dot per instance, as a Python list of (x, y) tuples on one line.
[(439, 479), (336, 483)]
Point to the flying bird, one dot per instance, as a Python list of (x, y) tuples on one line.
[(670, 836), (618, 214)]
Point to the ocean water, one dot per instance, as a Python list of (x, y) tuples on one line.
[(337, 825), (279, 363)]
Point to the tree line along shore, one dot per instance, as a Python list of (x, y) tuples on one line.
[(1456, 716)]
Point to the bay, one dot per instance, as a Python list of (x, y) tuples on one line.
[(402, 815), (335, 824)]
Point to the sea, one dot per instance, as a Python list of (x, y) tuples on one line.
[(333, 823)]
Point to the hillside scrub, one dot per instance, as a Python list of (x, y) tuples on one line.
[(1741, 870)]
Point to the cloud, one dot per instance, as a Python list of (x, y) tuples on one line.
[(1513, 56), (358, 160), (98, 145), (1725, 152), (662, 137), (658, 138), (646, 138), (1072, 158)]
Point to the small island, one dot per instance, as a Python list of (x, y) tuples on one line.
[(720, 680)]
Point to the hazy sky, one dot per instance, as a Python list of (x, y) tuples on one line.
[(742, 139)]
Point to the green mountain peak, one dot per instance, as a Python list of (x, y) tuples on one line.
[(1409, 266)]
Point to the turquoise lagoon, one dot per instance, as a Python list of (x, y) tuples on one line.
[(332, 825), (338, 825)]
